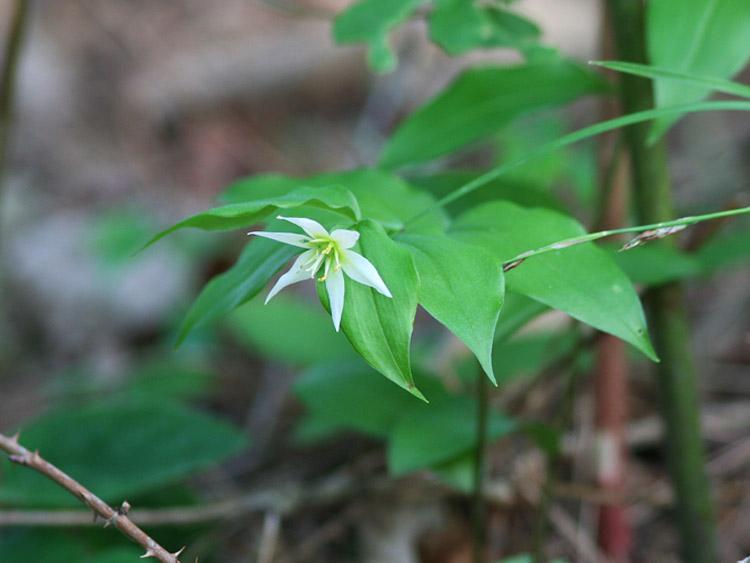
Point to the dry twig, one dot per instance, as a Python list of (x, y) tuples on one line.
[(114, 517)]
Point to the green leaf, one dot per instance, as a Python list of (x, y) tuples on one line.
[(529, 355), (459, 26), (118, 449), (352, 396), (289, 330), (697, 80), (237, 215), (582, 280), (708, 37), (40, 545), (462, 286), (378, 327), (480, 102), (727, 249), (428, 435), (259, 261), (655, 264), (370, 21), (383, 197), (517, 311)]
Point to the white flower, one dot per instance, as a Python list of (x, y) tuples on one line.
[(329, 252)]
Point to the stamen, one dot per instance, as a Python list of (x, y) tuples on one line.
[(324, 277)]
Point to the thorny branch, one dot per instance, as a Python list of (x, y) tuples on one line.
[(114, 517)]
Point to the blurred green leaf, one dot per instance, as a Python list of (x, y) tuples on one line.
[(370, 21), (169, 377), (517, 311), (582, 280), (725, 250), (257, 264), (459, 26), (458, 472), (529, 354), (379, 327), (705, 37), (117, 234), (235, 215), (39, 545), (351, 396), (438, 432), (289, 330), (479, 102), (462, 286), (118, 449), (119, 555), (655, 264)]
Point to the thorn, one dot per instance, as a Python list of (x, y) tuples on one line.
[(149, 553), (15, 438), (177, 553), (35, 457)]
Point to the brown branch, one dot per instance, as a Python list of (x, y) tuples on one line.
[(114, 517)]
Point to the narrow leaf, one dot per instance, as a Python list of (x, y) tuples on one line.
[(237, 215), (659, 73), (257, 264)]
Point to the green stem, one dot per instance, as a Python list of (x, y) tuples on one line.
[(682, 222), (478, 506), (668, 322), (8, 80)]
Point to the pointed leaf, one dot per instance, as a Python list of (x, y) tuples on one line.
[(659, 73), (480, 102), (582, 280), (462, 286)]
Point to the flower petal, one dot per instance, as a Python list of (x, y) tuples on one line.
[(312, 228), (345, 238), (336, 288), (293, 275), (287, 238), (361, 270)]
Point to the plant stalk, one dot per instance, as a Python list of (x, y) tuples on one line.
[(478, 504), (668, 322), (12, 51)]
